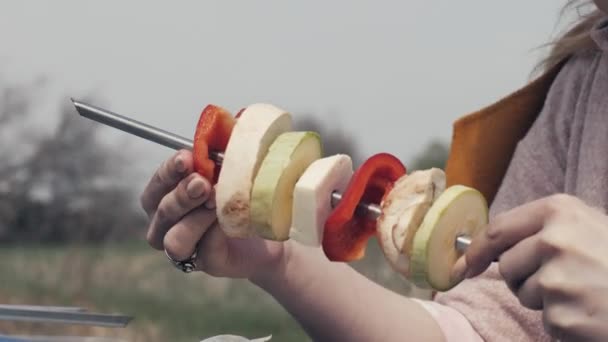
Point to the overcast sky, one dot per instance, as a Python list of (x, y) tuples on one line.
[(393, 74)]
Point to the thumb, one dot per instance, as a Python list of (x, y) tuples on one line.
[(460, 269)]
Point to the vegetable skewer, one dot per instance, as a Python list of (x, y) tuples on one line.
[(274, 183), (173, 141)]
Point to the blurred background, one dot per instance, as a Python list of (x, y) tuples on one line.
[(370, 76)]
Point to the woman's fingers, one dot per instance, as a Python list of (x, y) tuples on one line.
[(505, 231), (520, 267), (520, 262), (213, 257), (166, 177), (181, 240), (210, 203), (550, 284), (530, 293), (189, 194)]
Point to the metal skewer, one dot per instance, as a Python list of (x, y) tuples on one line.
[(55, 338), (177, 142), (43, 307), (61, 315)]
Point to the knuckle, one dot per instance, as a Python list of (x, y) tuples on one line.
[(165, 174), (182, 199), (546, 238), (555, 282), (560, 203), (162, 178), (547, 283), (157, 178), (550, 281), (494, 231), (558, 320), (163, 214), (144, 202), (152, 241), (551, 240), (561, 199), (173, 245)]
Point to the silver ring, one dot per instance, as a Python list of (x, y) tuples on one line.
[(186, 266)]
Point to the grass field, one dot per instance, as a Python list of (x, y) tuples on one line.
[(168, 305)]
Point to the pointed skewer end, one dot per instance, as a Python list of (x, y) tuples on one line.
[(77, 104)]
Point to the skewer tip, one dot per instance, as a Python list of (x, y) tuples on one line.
[(78, 105)]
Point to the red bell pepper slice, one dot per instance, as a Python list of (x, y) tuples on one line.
[(346, 234), (212, 134)]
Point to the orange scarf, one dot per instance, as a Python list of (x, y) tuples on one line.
[(483, 142)]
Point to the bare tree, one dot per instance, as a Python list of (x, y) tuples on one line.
[(434, 154), (69, 187), (15, 104), (334, 139)]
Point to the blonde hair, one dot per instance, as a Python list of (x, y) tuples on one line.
[(577, 38)]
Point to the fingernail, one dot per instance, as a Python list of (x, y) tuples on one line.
[(180, 165), (492, 231), (195, 188), (459, 271), (210, 202)]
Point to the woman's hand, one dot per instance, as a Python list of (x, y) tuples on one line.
[(553, 254), (180, 205), (332, 301)]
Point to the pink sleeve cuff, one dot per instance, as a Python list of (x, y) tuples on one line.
[(453, 324)]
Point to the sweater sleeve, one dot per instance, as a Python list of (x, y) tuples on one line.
[(454, 326), (537, 169)]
